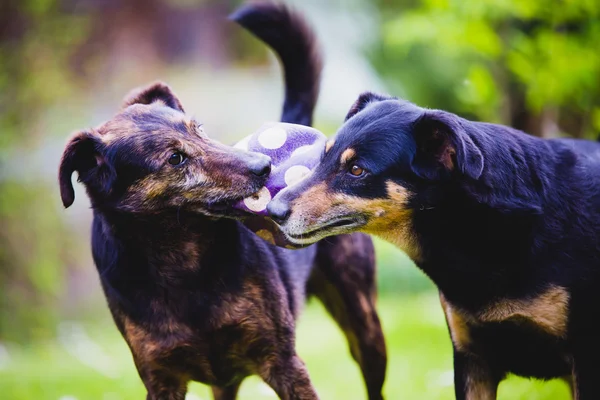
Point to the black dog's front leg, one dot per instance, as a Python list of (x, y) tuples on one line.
[(473, 377), (586, 371)]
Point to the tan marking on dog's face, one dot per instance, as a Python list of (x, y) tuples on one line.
[(387, 217), (548, 311), (457, 324), (393, 221), (329, 145), (347, 155)]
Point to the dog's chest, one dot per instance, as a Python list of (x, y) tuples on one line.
[(524, 336), (226, 344)]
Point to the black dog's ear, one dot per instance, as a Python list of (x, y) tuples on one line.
[(443, 146), (363, 100), (157, 91), (84, 154)]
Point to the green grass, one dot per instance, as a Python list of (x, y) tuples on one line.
[(98, 365)]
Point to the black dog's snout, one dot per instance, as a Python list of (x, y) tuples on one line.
[(278, 211), (260, 166)]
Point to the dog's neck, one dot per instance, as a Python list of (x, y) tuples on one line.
[(477, 240), (158, 230), (475, 251), (169, 250)]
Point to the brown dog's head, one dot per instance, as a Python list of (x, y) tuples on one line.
[(151, 157)]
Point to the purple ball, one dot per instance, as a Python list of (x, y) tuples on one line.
[(294, 150)]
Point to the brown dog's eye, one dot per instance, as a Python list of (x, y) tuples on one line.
[(176, 158), (356, 170)]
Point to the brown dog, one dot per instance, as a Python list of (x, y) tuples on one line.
[(198, 296)]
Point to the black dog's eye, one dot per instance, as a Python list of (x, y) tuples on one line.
[(176, 158), (356, 170)]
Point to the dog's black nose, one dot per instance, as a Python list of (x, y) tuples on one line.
[(260, 166), (278, 211)]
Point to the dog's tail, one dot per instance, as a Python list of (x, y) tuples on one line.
[(293, 40)]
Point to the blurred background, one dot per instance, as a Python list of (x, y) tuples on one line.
[(66, 65)]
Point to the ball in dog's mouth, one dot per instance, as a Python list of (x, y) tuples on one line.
[(294, 150)]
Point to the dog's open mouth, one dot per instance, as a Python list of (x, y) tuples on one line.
[(335, 225), (224, 208), (221, 205), (230, 206)]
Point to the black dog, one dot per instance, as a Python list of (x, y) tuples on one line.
[(507, 226), (199, 297)]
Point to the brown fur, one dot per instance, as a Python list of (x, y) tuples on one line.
[(196, 296), (457, 325), (480, 385), (547, 311)]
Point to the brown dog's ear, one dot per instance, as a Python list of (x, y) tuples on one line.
[(363, 100), (157, 91), (83, 154)]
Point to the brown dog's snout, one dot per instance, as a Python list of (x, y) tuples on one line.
[(259, 165)]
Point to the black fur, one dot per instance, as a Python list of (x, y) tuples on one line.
[(293, 41), (497, 218)]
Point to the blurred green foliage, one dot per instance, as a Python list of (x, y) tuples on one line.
[(534, 65), (36, 41), (92, 362)]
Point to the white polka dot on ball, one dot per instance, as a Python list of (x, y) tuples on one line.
[(300, 150), (272, 138), (243, 144), (295, 174), (258, 202)]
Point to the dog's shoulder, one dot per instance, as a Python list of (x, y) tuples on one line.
[(587, 153)]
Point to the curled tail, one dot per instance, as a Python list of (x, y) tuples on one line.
[(293, 40)]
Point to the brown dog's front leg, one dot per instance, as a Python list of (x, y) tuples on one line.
[(162, 386), (225, 393), (289, 378), (568, 379), (586, 370)]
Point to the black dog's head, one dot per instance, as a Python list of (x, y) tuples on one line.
[(151, 157), (380, 167)]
